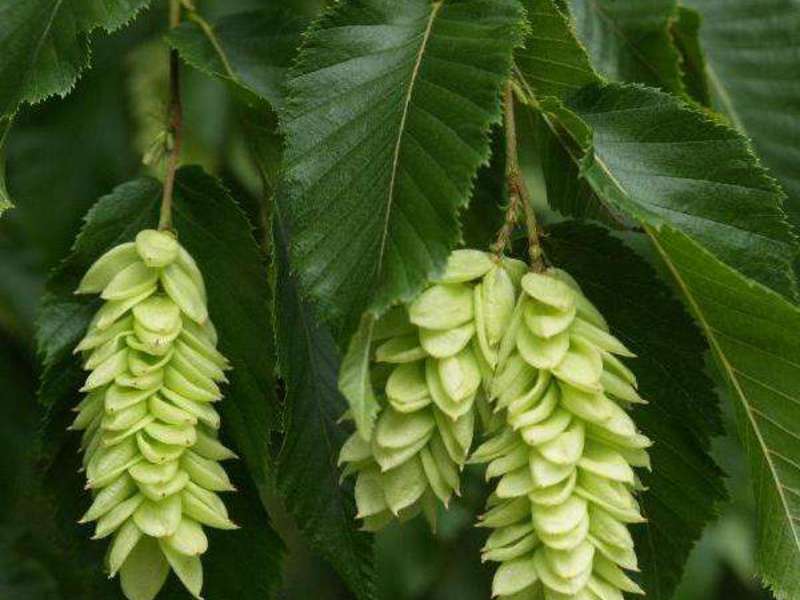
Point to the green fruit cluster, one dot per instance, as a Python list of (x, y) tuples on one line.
[(564, 462), (431, 360), (151, 449)]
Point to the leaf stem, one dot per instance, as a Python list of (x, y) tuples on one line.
[(518, 194), (174, 123), (208, 31)]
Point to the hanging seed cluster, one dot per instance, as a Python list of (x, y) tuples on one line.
[(151, 452), (430, 361), (564, 463)]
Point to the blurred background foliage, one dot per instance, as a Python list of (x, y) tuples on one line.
[(64, 154)]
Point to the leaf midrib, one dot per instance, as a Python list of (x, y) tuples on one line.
[(40, 42), (435, 8)]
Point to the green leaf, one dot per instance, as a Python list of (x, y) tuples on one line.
[(387, 119), (752, 333), (748, 325), (355, 382), (665, 163), (753, 54), (307, 475), (550, 67), (252, 50), (676, 166), (685, 31), (629, 40), (684, 487), (214, 230), (46, 44), (484, 216)]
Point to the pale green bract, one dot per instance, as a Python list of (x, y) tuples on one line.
[(432, 362), (564, 458), (150, 429)]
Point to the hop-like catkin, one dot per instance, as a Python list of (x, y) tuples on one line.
[(430, 360), (564, 461), (151, 450)]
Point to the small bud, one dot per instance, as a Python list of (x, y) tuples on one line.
[(156, 248)]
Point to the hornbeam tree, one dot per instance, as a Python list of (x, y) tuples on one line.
[(316, 272)]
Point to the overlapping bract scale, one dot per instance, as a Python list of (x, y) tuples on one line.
[(564, 461), (151, 451), (432, 362)]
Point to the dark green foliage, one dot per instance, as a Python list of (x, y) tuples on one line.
[(552, 69), (307, 475), (46, 44), (691, 182), (389, 106), (253, 49), (666, 163), (685, 30), (751, 332), (63, 154), (482, 219), (738, 316), (752, 49), (629, 40)]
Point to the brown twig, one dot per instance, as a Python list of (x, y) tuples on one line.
[(174, 123), (518, 194), (504, 235)]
